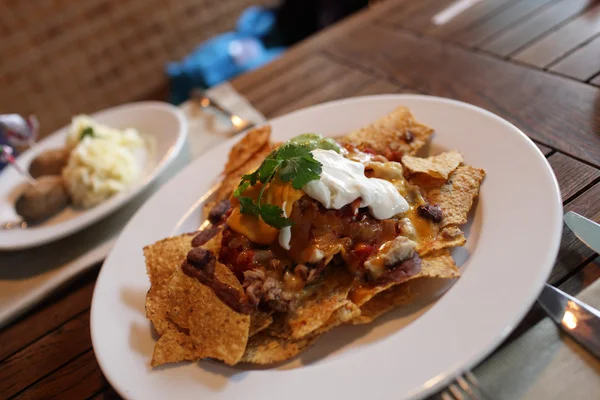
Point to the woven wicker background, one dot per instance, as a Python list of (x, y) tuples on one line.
[(63, 57)]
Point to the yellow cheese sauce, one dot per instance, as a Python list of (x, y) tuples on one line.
[(279, 194)]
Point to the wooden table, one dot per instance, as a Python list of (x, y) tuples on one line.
[(534, 62)]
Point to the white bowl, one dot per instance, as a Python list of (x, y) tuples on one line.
[(162, 124)]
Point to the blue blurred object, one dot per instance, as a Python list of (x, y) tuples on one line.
[(226, 55)]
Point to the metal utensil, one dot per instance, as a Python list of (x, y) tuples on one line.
[(465, 387), (238, 122), (577, 319), (586, 230)]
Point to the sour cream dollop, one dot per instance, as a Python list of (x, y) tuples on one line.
[(343, 181)]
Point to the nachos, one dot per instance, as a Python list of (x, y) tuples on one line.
[(305, 236)]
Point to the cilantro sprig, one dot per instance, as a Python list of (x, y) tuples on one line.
[(293, 163), (89, 131)]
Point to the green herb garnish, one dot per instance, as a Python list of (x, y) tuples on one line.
[(89, 131), (293, 163)]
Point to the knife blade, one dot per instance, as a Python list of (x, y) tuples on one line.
[(586, 230), (577, 319)]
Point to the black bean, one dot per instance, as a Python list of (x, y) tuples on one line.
[(205, 235), (218, 212), (431, 211)]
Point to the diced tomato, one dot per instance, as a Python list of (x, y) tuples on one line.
[(363, 251), (368, 150)]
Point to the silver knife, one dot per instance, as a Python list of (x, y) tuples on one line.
[(577, 319), (586, 230)]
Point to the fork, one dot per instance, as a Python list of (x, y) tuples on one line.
[(465, 387), (205, 101)]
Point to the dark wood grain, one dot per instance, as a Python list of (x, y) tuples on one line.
[(572, 252), (378, 86), (406, 13), (583, 63), (44, 356), (79, 379), (471, 16), (564, 114), (513, 13), (295, 87), (583, 278), (544, 149), (345, 84), (572, 175), (59, 309), (529, 29), (302, 71), (108, 394), (561, 41)]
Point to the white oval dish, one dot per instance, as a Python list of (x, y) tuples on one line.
[(512, 244), (163, 125)]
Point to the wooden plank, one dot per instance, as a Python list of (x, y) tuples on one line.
[(564, 39), (572, 175), (486, 29), (572, 252), (108, 394), (529, 29), (583, 278), (58, 310), (567, 122), (582, 64), (544, 149), (377, 87), (300, 71), (44, 356), (480, 12), (342, 86), (79, 379), (295, 86), (245, 82), (404, 14)]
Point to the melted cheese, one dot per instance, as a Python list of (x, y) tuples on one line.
[(279, 194)]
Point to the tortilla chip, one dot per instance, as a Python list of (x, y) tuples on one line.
[(437, 167), (162, 258), (216, 330), (173, 346), (347, 312), (450, 236), (246, 148), (456, 196), (384, 302), (436, 265), (259, 321), (265, 349), (397, 131), (319, 301)]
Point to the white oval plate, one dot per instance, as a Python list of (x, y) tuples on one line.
[(163, 125), (513, 242)]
